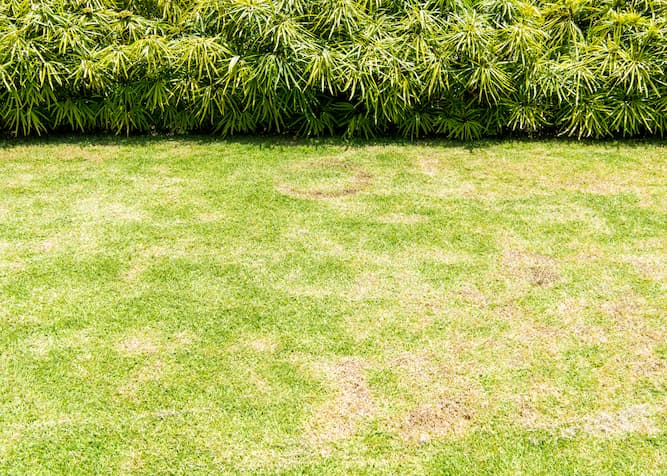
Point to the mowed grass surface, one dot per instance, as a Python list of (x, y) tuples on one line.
[(185, 306)]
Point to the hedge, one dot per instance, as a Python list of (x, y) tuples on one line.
[(461, 69)]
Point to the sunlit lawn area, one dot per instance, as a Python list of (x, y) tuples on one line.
[(186, 306)]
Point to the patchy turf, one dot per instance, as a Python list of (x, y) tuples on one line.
[(193, 306)]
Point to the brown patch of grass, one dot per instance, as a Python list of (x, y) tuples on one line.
[(529, 335), (537, 270), (404, 291), (338, 418), (637, 419), (472, 294), (18, 180), (316, 241), (367, 286), (261, 344), (602, 184), (421, 372), (529, 415), (446, 399), (359, 181), (651, 266), (259, 383), (626, 307), (419, 366), (48, 245), (429, 166), (543, 276), (568, 212), (149, 341), (436, 420), (184, 338), (135, 271), (42, 345), (132, 461), (353, 189), (138, 344)]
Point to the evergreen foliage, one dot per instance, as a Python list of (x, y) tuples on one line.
[(457, 68)]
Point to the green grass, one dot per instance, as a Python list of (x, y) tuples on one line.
[(194, 306)]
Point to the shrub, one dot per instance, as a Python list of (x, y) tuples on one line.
[(458, 68)]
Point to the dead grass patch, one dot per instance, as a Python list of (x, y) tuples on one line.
[(316, 241), (356, 179), (537, 270), (18, 180), (421, 368), (625, 308), (637, 419), (569, 212), (169, 187), (352, 402), (651, 266), (473, 295), (182, 339), (610, 184), (369, 285), (543, 276), (149, 341), (436, 420), (48, 245), (135, 271), (447, 398), (430, 166), (132, 461), (531, 335), (261, 344), (138, 344), (14, 265), (422, 373), (405, 293)]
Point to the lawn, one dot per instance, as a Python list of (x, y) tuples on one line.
[(191, 306)]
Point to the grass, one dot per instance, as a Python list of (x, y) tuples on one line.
[(191, 306)]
